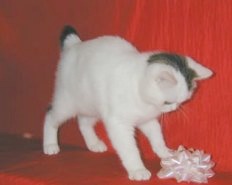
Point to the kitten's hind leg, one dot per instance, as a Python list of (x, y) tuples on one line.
[(50, 143), (53, 119), (86, 125)]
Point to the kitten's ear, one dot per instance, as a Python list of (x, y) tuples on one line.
[(202, 72), (165, 80)]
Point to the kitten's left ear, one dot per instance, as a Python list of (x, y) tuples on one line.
[(165, 80), (202, 72)]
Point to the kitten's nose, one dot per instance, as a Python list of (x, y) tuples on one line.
[(169, 108), (174, 106)]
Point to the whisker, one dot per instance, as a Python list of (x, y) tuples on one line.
[(183, 112), (163, 120)]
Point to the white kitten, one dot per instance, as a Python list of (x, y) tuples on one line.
[(108, 79)]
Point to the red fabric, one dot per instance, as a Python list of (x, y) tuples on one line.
[(22, 163), (29, 50)]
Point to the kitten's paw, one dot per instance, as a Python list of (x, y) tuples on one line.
[(140, 175), (51, 149), (98, 147)]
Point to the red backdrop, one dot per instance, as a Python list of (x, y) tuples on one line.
[(29, 50)]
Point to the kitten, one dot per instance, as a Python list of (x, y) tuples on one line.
[(109, 79)]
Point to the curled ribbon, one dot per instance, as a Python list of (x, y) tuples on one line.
[(187, 165)]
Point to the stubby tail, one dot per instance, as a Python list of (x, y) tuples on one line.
[(68, 37)]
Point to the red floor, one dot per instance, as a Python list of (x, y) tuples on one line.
[(22, 163)]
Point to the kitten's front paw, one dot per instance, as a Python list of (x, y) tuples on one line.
[(98, 147), (51, 149), (140, 175)]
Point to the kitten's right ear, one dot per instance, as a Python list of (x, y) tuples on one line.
[(202, 72), (165, 80)]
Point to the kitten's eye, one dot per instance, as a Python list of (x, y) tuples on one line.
[(167, 103)]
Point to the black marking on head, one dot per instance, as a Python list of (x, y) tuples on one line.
[(178, 62), (67, 30)]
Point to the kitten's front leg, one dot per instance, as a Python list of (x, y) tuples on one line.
[(154, 134), (122, 137)]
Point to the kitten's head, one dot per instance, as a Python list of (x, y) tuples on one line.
[(170, 79)]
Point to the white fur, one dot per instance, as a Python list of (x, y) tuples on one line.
[(108, 79)]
